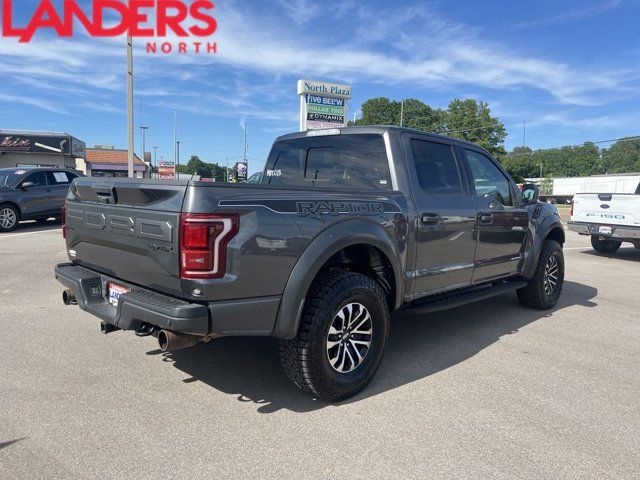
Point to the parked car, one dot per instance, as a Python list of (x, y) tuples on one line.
[(32, 194), (609, 218), (345, 227)]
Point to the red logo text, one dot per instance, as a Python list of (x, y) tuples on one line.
[(138, 18)]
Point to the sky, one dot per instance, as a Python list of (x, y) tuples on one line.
[(569, 69)]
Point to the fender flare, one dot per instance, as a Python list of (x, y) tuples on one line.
[(542, 232), (317, 253)]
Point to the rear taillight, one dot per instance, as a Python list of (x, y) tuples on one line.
[(203, 244), (571, 209), (63, 219)]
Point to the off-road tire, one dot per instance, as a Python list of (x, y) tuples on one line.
[(604, 246), (305, 358), (5, 208), (534, 294)]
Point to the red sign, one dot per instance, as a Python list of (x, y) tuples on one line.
[(172, 17)]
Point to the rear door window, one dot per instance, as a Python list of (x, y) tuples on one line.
[(336, 161), (60, 178), (436, 168)]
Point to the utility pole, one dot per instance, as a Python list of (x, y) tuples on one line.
[(130, 103), (402, 113), (541, 169), (155, 160), (246, 147), (175, 137), (524, 133), (144, 140), (178, 159), (226, 172)]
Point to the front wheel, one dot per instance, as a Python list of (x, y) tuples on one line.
[(544, 289), (342, 336), (604, 245)]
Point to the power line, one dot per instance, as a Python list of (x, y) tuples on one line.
[(465, 130), (621, 139)]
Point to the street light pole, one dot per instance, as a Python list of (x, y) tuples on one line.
[(130, 103), (155, 157), (178, 159), (144, 140)]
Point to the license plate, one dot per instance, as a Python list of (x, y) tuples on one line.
[(605, 230), (114, 293)]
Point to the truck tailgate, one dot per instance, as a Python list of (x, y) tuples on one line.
[(127, 229), (607, 208)]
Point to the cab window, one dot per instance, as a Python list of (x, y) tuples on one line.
[(436, 168), (341, 162)]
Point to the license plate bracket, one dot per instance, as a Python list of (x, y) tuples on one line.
[(114, 292)]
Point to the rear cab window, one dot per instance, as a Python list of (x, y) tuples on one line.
[(343, 162)]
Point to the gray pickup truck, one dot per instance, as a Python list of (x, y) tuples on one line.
[(345, 227)]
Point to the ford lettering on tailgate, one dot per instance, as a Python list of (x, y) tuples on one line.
[(160, 230)]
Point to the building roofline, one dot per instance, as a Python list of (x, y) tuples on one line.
[(34, 132)]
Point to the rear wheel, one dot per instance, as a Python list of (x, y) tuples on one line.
[(342, 336), (544, 289), (603, 245), (9, 218)]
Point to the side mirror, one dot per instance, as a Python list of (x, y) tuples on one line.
[(27, 185), (530, 193)]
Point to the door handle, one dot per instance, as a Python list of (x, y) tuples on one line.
[(486, 218), (431, 218)]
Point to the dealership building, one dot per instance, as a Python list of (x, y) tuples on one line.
[(60, 150), (40, 149)]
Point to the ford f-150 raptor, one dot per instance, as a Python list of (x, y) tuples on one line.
[(345, 227)]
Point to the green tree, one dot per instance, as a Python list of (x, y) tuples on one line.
[(472, 121), (380, 111), (414, 114), (520, 164), (195, 166), (622, 157)]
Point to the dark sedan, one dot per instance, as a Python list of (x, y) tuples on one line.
[(32, 194)]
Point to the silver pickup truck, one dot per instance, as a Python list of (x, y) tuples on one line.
[(345, 227)]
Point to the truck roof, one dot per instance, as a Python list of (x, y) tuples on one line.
[(374, 129)]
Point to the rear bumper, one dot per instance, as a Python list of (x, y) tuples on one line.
[(617, 232), (142, 306)]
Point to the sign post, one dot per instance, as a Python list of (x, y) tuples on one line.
[(323, 105)]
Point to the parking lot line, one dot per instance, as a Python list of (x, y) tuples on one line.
[(29, 233)]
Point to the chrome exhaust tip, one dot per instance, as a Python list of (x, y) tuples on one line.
[(69, 298), (169, 341)]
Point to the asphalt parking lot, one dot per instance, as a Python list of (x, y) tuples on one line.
[(487, 390)]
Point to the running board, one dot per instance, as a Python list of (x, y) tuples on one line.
[(445, 301)]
